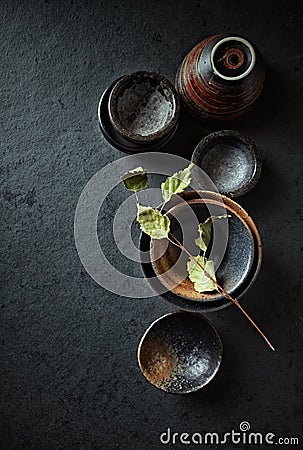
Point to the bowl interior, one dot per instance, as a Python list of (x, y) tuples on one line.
[(230, 161), (231, 271), (233, 58), (144, 104), (180, 352)]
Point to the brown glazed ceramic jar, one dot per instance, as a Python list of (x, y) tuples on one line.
[(221, 78)]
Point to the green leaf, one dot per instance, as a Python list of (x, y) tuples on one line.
[(152, 222), (176, 183), (196, 274), (135, 180), (204, 230)]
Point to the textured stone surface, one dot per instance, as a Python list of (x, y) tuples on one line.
[(69, 376)]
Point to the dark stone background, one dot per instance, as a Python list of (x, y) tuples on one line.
[(69, 375)]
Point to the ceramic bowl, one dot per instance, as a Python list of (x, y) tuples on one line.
[(180, 352), (231, 160), (139, 112), (236, 273), (221, 78)]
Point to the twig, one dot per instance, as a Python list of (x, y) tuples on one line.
[(162, 206), (223, 291), (137, 198)]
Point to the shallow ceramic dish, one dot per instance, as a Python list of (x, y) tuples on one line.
[(231, 160), (180, 352), (237, 280), (139, 112)]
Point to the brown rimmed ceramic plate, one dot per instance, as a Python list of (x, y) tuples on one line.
[(237, 282)]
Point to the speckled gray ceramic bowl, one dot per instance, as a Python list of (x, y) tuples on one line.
[(139, 112), (180, 352), (231, 160)]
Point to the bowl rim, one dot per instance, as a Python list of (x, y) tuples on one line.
[(208, 323), (243, 41), (203, 147)]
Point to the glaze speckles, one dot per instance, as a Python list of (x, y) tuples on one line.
[(143, 109), (160, 362), (231, 160), (180, 352), (227, 166)]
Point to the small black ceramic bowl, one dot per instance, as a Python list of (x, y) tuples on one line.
[(180, 352), (231, 160), (139, 111)]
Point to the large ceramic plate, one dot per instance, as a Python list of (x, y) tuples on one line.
[(236, 273)]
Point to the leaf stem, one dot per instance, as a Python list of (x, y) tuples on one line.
[(137, 198), (162, 206), (177, 245), (223, 291)]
